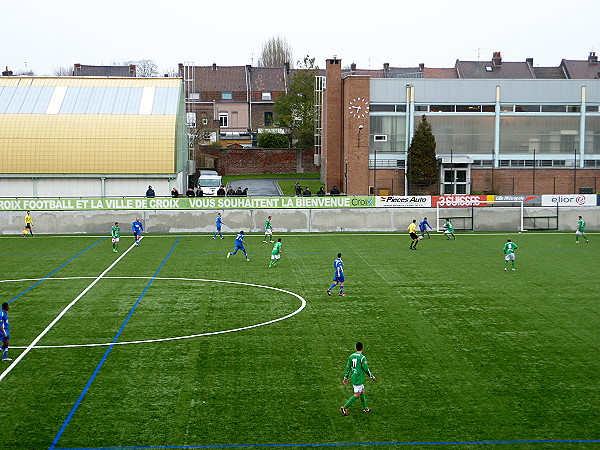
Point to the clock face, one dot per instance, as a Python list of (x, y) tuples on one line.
[(359, 107)]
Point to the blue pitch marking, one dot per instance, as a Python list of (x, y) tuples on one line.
[(559, 441), (110, 347), (54, 271)]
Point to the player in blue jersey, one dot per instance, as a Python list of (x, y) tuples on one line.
[(137, 229), (239, 245), (4, 331), (338, 275), (423, 224), (218, 224)]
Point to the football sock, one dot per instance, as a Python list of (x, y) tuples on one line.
[(350, 401), (513, 264), (4, 352), (341, 289), (505, 264), (331, 287), (363, 400)]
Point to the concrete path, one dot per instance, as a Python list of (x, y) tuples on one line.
[(260, 187)]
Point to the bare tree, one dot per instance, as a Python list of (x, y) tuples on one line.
[(62, 71), (275, 53), (144, 68)]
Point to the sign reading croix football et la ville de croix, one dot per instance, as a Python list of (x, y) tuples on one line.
[(71, 204)]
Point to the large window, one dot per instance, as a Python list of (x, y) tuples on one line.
[(268, 119), (394, 128), (462, 134), (540, 134)]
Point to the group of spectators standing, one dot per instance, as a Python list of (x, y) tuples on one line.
[(200, 193), (320, 193)]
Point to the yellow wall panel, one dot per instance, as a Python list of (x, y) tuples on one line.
[(32, 143)]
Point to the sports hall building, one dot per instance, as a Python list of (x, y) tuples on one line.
[(91, 136), (503, 136)]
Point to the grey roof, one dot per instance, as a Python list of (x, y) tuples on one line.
[(220, 78), (581, 69), (103, 71), (489, 70), (267, 79), (549, 73), (404, 72)]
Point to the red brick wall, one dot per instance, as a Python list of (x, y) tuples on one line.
[(260, 161), (521, 181)]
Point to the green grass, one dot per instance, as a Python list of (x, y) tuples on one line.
[(462, 351), (287, 186)]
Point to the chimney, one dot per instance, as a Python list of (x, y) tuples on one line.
[(77, 71), (132, 72), (7, 73), (529, 61), (249, 68), (421, 67), (214, 66), (497, 59), (592, 59), (352, 67), (287, 67)]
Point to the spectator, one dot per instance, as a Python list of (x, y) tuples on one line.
[(298, 189), (239, 191), (334, 190), (174, 193), (190, 192), (220, 191), (245, 192), (150, 192), (230, 192), (321, 192), (200, 192), (307, 192)]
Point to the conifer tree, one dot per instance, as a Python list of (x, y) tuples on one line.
[(422, 162)]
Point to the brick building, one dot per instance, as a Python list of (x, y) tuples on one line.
[(503, 127)]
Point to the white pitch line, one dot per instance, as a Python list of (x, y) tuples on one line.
[(176, 338), (57, 318)]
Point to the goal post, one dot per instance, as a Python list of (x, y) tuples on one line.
[(450, 211)]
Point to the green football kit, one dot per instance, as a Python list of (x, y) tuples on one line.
[(356, 368), (275, 254)]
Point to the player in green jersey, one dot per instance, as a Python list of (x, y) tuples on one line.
[(275, 253), (357, 366), (580, 230), (449, 230), (268, 230), (509, 253), (115, 233)]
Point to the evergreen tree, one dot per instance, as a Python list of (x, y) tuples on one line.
[(422, 162)]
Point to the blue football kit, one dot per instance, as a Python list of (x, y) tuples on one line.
[(338, 266), (4, 324)]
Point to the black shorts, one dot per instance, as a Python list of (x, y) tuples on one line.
[(28, 226), (414, 236)]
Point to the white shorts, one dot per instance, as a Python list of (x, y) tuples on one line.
[(448, 232), (269, 231), (275, 256), (510, 257), (580, 233), (115, 240), (359, 389)]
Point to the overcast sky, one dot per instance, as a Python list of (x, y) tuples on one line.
[(41, 35)]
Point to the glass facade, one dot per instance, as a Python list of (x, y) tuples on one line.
[(394, 127), (544, 134), (592, 135), (462, 134)]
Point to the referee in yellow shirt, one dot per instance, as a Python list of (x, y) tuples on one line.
[(412, 231), (28, 224)]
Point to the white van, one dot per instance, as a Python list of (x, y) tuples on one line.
[(209, 181)]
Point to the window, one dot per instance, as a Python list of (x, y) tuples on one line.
[(553, 108), (204, 121), (468, 108), (381, 108), (268, 119), (507, 108), (528, 108), (194, 96), (266, 96), (380, 137), (223, 119), (441, 108), (489, 68), (226, 95), (422, 108)]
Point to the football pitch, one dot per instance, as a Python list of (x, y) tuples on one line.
[(172, 345)]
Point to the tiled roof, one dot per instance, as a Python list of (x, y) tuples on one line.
[(404, 72), (440, 73), (102, 71), (488, 70), (581, 69), (549, 73), (220, 78), (373, 73), (267, 79)]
